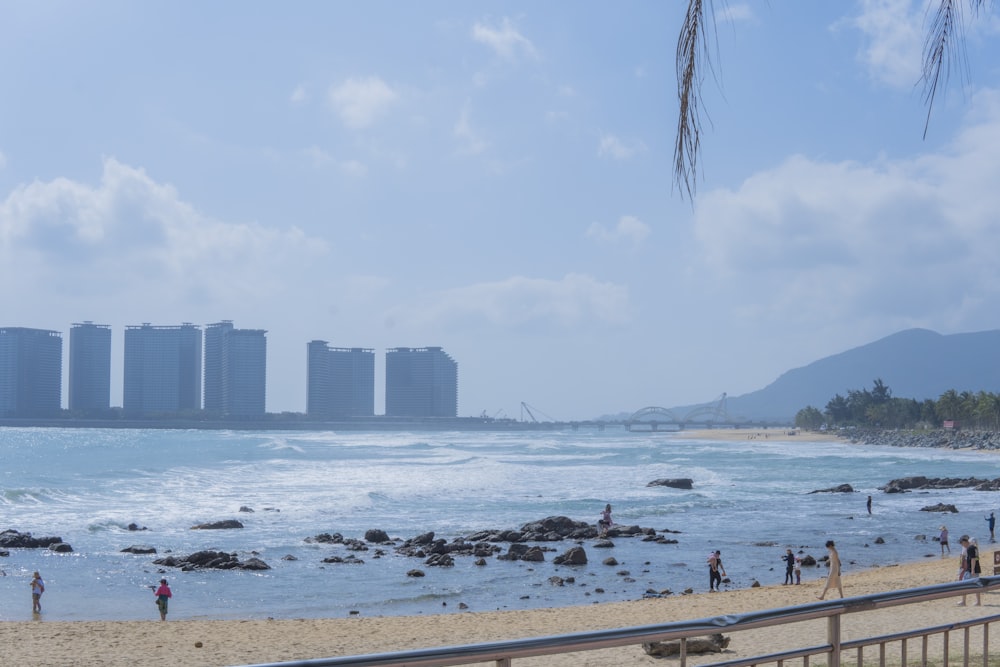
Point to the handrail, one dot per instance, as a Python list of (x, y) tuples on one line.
[(505, 650)]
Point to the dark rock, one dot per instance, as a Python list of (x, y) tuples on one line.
[(715, 643), (415, 573), (573, 556), (11, 539), (288, 557), (840, 488), (61, 547), (135, 526), (677, 483), (212, 560), (376, 535), (610, 560), (940, 507), (139, 549), (440, 560), (326, 538), (227, 524), (244, 508), (534, 555)]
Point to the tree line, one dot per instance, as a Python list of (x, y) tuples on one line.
[(878, 408)]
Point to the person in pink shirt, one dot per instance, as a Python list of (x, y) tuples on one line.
[(162, 595)]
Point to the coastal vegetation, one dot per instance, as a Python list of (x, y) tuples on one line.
[(878, 408)]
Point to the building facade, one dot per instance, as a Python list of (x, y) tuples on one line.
[(235, 371), (30, 372), (340, 381), (420, 382), (162, 372), (89, 368)]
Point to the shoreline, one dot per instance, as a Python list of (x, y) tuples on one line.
[(239, 642)]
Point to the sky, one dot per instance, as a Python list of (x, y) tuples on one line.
[(496, 178)]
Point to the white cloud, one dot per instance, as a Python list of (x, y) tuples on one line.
[(134, 241), (628, 229), (894, 41), (360, 102), (471, 142), (613, 147), (899, 242), (505, 40), (299, 95), (322, 159), (736, 13), (521, 302)]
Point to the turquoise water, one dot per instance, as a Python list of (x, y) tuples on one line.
[(750, 499)]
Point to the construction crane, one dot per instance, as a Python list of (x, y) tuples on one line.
[(528, 408)]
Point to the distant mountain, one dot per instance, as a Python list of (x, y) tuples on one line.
[(915, 363)]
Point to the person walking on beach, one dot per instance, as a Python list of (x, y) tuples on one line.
[(991, 521), (789, 559), (970, 565), (162, 594), (37, 588), (605, 521), (833, 579), (944, 541), (715, 571)]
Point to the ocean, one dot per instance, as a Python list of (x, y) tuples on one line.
[(750, 499)]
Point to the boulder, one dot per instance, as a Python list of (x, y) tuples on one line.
[(61, 547), (675, 483), (139, 549), (840, 488), (226, 524), (11, 539), (572, 556), (715, 643), (940, 507), (376, 535), (212, 560)]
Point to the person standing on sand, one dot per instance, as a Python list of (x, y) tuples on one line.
[(991, 522), (833, 579), (162, 594), (37, 588), (715, 571), (944, 541), (789, 559), (798, 571), (970, 566)]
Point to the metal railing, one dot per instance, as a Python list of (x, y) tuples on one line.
[(503, 652)]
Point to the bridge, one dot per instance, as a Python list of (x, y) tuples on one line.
[(707, 415)]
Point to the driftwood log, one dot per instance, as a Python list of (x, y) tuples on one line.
[(711, 644)]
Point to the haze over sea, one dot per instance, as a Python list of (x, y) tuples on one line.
[(751, 499)]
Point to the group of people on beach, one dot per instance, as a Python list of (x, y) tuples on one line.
[(162, 593)]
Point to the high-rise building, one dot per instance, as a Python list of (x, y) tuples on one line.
[(235, 370), (420, 382), (30, 372), (89, 367), (162, 369), (340, 381)]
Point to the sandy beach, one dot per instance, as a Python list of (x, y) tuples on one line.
[(787, 434), (241, 642), (208, 643)]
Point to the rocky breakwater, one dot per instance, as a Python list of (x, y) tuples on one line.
[(985, 440)]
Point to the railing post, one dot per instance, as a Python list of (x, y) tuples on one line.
[(684, 652), (833, 639), (503, 662)]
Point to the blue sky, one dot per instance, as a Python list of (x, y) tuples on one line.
[(496, 178)]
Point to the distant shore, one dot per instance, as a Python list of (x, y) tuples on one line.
[(774, 434)]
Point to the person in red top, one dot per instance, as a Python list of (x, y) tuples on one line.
[(162, 595)]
